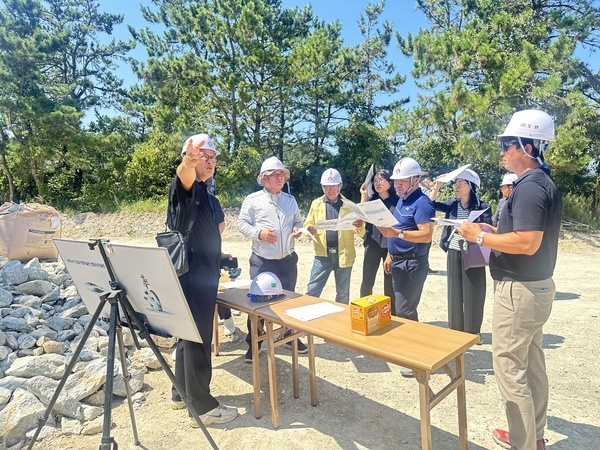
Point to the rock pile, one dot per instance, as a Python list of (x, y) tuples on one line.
[(42, 320)]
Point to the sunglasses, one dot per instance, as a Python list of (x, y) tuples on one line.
[(505, 145)]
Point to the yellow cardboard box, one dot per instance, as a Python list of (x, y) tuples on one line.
[(370, 313)]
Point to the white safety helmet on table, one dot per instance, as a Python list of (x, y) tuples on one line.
[(265, 286)]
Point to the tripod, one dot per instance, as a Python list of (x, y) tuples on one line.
[(116, 298)]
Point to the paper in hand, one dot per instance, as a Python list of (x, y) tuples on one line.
[(307, 233), (450, 176), (369, 181)]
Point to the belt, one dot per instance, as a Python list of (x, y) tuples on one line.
[(331, 249), (404, 256)]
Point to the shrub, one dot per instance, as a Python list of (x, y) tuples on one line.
[(581, 209)]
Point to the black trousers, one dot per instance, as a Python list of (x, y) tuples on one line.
[(374, 256), (408, 277), (286, 270), (224, 312), (193, 364), (466, 294)]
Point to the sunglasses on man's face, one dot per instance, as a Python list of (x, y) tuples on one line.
[(506, 145)]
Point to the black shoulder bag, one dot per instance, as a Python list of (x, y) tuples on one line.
[(176, 245)]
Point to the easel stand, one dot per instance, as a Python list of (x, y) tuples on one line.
[(115, 298)]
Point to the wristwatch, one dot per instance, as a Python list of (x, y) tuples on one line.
[(479, 238), (400, 234)]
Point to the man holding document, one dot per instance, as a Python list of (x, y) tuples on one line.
[(333, 225), (408, 240)]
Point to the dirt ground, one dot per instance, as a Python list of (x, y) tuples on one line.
[(364, 403)]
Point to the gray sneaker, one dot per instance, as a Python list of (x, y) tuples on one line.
[(221, 414)]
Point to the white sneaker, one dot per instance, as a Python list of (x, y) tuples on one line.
[(235, 312), (221, 414), (228, 327)]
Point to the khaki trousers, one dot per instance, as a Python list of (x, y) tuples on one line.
[(520, 311)]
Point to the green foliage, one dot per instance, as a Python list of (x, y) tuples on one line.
[(483, 60), (147, 205), (266, 80), (151, 169), (581, 209), (52, 69), (359, 146)]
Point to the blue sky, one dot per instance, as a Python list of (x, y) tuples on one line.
[(400, 12)]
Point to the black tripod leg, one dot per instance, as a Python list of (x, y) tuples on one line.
[(126, 378), (69, 369), (107, 441)]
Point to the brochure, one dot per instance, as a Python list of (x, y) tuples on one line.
[(374, 212)]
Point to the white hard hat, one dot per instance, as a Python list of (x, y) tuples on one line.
[(269, 166), (331, 177), (200, 141), (265, 286), (469, 175), (530, 123), (508, 179), (406, 168)]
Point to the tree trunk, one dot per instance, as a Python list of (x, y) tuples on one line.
[(9, 177)]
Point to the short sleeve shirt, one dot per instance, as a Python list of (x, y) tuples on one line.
[(415, 209), (534, 204), (205, 238)]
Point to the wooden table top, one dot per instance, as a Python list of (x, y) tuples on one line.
[(405, 342)]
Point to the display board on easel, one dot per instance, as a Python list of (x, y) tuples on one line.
[(145, 273)]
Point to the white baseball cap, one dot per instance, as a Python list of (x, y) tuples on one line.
[(331, 177), (200, 141)]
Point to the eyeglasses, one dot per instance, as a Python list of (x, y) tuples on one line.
[(379, 181), (208, 158), (506, 145), (460, 183)]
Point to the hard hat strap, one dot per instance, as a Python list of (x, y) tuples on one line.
[(543, 165), (412, 185)]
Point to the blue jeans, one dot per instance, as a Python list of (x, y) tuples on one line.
[(322, 267)]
